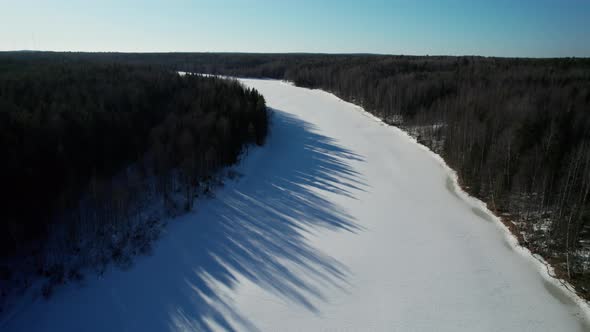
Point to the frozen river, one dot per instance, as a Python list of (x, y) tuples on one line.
[(339, 223)]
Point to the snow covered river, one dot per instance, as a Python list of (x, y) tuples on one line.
[(339, 223)]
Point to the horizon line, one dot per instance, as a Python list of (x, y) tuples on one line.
[(296, 53)]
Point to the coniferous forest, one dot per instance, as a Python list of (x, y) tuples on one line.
[(87, 146), (517, 131)]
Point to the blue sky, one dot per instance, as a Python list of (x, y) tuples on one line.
[(541, 28)]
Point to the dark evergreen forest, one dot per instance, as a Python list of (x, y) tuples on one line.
[(86, 145), (517, 131)]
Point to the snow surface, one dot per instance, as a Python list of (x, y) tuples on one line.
[(340, 223)]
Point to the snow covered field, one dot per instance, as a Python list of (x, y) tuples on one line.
[(340, 223)]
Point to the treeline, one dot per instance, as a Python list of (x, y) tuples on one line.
[(517, 131), (86, 146)]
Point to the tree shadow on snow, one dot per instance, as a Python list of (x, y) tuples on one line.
[(254, 229)]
